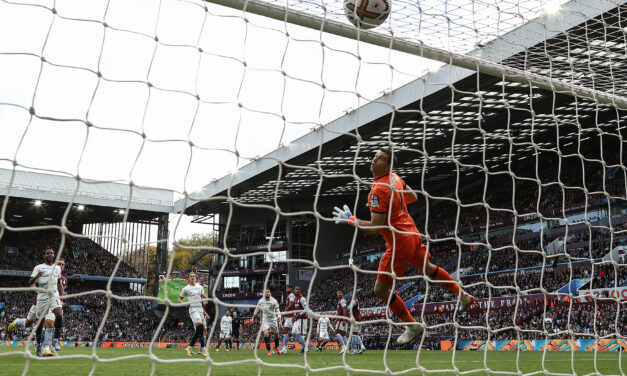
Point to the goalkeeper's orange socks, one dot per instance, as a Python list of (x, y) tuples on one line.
[(397, 306), (442, 276)]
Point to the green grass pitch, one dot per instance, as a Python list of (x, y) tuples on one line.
[(123, 362), (174, 290)]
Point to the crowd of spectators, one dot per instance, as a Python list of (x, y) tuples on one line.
[(82, 255)]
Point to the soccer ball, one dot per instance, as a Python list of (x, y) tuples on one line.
[(366, 14)]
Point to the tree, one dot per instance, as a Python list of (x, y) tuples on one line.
[(190, 247)]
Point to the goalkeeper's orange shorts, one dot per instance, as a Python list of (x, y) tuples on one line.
[(409, 250)]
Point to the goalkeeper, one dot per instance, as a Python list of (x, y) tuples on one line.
[(388, 200)]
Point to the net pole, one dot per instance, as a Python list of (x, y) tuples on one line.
[(284, 14)]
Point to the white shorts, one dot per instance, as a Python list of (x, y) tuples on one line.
[(32, 315), (288, 323), (198, 318), (300, 326), (43, 308), (272, 327), (324, 335), (225, 334), (342, 326), (356, 329)]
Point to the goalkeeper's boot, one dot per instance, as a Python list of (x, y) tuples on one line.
[(47, 352), (466, 301), (188, 351), (412, 331), (204, 351), (12, 325), (56, 345)]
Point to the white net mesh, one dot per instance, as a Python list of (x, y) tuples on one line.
[(110, 108)]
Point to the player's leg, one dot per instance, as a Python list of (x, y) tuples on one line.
[(421, 261), (287, 328), (202, 340), (220, 337), (230, 344), (48, 335), (340, 336), (362, 348), (39, 338), (384, 282), (58, 325), (296, 333), (274, 330), (198, 330), (266, 339)]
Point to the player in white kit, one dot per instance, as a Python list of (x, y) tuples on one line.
[(268, 308), (195, 293), (48, 277), (226, 327), (324, 324)]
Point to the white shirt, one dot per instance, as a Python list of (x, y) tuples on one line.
[(49, 280), (270, 309), (194, 296), (324, 324), (226, 323)]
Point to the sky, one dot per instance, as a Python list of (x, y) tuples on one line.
[(165, 115)]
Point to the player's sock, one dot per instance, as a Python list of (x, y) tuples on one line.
[(276, 343), (197, 336), (397, 306), (58, 326), (360, 342), (21, 323), (237, 344), (300, 340), (286, 338), (442, 275), (48, 334), (340, 339), (38, 335), (230, 344), (219, 343), (203, 342), (266, 340), (354, 342)]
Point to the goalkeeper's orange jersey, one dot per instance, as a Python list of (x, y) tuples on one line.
[(396, 215)]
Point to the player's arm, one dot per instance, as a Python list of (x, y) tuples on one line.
[(60, 288), (36, 274), (409, 195), (369, 227), (331, 326), (303, 303), (376, 219), (277, 312)]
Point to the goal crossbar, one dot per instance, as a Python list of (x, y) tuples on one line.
[(473, 63)]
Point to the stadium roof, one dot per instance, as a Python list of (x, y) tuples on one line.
[(102, 201), (457, 121)]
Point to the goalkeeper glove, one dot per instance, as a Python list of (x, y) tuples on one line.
[(344, 215)]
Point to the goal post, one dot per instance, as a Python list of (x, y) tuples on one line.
[(551, 25), (513, 142)]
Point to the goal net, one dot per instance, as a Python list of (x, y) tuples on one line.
[(259, 117)]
